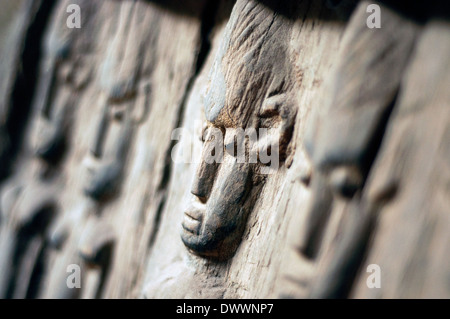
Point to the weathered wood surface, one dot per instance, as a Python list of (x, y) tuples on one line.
[(107, 167)]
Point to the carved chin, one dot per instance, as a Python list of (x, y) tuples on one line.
[(50, 146), (210, 237), (103, 182)]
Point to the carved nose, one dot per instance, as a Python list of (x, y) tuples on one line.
[(100, 134), (204, 180)]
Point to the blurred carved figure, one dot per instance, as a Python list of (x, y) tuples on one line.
[(30, 207), (343, 138), (369, 93), (92, 192), (86, 231)]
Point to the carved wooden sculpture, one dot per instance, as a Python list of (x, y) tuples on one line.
[(124, 76), (420, 117), (249, 87), (86, 241), (30, 208), (120, 84), (347, 133), (92, 243), (346, 139), (341, 142), (94, 185)]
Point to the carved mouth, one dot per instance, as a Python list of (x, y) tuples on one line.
[(214, 229), (206, 235), (192, 222)]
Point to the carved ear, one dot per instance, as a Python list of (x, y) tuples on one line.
[(96, 242), (279, 112)]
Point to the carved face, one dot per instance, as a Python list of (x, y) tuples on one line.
[(121, 80), (249, 90), (214, 223), (108, 152), (65, 73), (28, 212)]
